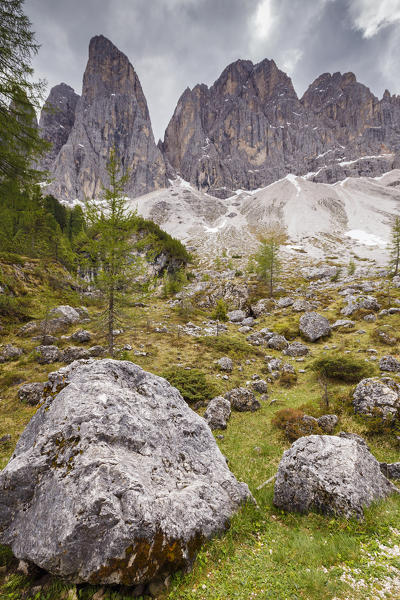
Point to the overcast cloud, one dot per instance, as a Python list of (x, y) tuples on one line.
[(177, 43)]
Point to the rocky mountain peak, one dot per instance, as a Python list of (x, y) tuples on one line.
[(57, 119), (111, 113)]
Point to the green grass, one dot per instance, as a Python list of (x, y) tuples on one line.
[(266, 553)]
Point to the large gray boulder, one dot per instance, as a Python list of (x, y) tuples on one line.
[(329, 474), (375, 397), (218, 412), (314, 326), (115, 480)]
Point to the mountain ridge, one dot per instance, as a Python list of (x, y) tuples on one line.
[(247, 130)]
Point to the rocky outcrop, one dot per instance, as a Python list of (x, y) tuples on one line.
[(56, 120), (314, 326), (115, 480), (375, 397), (111, 113), (250, 129), (245, 131), (329, 474)]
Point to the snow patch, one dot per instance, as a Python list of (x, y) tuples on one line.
[(367, 239)]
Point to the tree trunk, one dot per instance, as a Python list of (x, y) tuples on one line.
[(111, 323)]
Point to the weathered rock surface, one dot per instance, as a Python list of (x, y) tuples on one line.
[(391, 470), (48, 354), (296, 349), (74, 353), (31, 393), (10, 352), (375, 397), (260, 386), (81, 336), (112, 112), (329, 474), (314, 273), (225, 364), (56, 120), (242, 400), (328, 423), (236, 316), (278, 342), (262, 307), (115, 479), (314, 326), (389, 363), (301, 306), (354, 304), (218, 412)]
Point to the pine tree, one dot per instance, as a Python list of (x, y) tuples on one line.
[(395, 247), (20, 142), (111, 246), (267, 260)]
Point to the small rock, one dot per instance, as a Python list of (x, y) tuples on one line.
[(389, 363), (225, 364), (48, 354), (328, 423), (31, 393), (242, 400), (218, 412), (81, 336), (236, 316), (278, 342), (296, 349), (260, 386)]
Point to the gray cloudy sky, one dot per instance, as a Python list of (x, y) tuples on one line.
[(177, 43)]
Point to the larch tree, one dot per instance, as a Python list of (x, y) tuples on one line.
[(267, 259), (111, 247)]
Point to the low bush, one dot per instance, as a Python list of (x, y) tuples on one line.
[(288, 380), (294, 423), (227, 345), (192, 384), (343, 368)]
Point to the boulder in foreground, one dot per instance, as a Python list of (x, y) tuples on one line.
[(115, 480), (329, 474)]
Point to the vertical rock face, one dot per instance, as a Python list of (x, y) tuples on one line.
[(57, 119), (247, 130), (250, 129), (112, 112)]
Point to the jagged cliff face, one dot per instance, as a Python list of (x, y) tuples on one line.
[(245, 131), (250, 129), (112, 112), (56, 120)]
